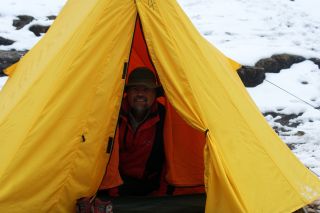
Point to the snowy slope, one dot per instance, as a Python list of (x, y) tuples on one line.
[(245, 31)]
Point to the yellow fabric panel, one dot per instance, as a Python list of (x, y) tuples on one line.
[(248, 168), (64, 91)]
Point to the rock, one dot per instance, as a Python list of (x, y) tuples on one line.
[(278, 62), (316, 61), (284, 119), (285, 61), (300, 211), (8, 58), (300, 133), (52, 17), (5, 42), (39, 29), (311, 210), (317, 203), (22, 21), (270, 65), (291, 146), (251, 76)]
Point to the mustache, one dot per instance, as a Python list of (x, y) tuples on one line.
[(139, 98)]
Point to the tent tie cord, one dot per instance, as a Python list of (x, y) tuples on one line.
[(307, 103)]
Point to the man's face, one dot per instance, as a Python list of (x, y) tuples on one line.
[(141, 97)]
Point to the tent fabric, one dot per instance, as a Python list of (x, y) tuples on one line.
[(60, 107), (184, 164)]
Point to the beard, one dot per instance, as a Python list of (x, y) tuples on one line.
[(140, 105)]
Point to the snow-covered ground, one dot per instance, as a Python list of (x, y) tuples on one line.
[(24, 38), (245, 31)]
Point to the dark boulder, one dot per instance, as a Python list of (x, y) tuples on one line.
[(52, 17), (316, 61), (285, 61), (270, 65), (278, 62), (8, 58), (251, 76), (22, 21), (285, 119), (38, 29), (5, 42)]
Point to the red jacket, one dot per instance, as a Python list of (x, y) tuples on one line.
[(141, 154), (183, 165)]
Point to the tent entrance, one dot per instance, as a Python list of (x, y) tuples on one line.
[(184, 145)]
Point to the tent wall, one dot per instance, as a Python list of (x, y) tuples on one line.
[(60, 107), (248, 168)]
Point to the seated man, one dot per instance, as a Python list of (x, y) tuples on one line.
[(140, 130), (136, 165)]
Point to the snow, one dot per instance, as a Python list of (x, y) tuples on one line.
[(3, 81), (249, 30), (24, 38), (245, 31)]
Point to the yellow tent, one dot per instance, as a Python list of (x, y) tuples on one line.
[(60, 107)]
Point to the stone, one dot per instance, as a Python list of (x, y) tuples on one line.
[(270, 65), (285, 61), (5, 42), (7, 58), (52, 17), (302, 210), (284, 119), (311, 210), (300, 133), (316, 61), (317, 202), (22, 21), (251, 76), (291, 146), (278, 62), (38, 29)]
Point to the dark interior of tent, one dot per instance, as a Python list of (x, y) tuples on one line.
[(183, 147)]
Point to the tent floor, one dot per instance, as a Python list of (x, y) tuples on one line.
[(164, 204)]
